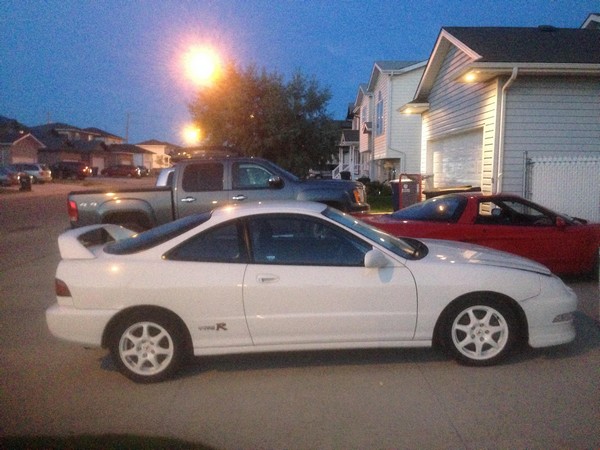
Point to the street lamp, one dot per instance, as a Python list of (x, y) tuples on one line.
[(191, 135), (202, 65)]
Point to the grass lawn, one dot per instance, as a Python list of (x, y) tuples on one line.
[(380, 203)]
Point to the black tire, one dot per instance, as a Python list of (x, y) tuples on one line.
[(147, 346), (480, 331)]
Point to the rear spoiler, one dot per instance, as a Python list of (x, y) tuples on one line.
[(73, 244)]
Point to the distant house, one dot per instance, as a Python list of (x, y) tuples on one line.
[(388, 143), (17, 144), (514, 110), (160, 154), (63, 142)]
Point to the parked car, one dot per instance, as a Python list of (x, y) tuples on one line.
[(144, 171), (567, 245), (122, 170), (40, 172), (287, 275), (8, 176), (70, 169)]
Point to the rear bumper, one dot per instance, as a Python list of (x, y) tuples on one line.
[(82, 326)]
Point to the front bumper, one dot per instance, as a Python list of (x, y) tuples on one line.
[(550, 315)]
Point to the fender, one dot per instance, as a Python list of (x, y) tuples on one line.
[(126, 205)]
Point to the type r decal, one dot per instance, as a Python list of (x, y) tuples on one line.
[(221, 326)]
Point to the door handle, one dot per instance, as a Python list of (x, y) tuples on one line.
[(188, 199), (267, 278), (239, 197)]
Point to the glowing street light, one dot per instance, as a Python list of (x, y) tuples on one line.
[(191, 135), (202, 65)]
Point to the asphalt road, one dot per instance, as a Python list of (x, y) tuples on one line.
[(414, 398)]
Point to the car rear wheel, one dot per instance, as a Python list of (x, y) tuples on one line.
[(480, 332), (147, 347)]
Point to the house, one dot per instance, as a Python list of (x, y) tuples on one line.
[(159, 154), (17, 144), (388, 143), (514, 110), (63, 142)]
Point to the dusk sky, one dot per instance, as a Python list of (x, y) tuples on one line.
[(116, 65)]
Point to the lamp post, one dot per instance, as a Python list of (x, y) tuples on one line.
[(202, 65)]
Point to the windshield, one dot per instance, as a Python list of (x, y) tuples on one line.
[(156, 236), (437, 209), (405, 248)]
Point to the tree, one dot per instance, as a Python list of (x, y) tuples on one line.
[(260, 114)]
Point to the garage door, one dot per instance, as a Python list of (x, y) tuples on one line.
[(456, 160)]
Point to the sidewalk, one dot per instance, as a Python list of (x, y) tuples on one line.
[(59, 187)]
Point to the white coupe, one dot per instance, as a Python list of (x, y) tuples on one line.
[(288, 276)]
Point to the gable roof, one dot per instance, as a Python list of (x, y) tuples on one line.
[(100, 132), (496, 51), (127, 148), (592, 22), (392, 68), (544, 44)]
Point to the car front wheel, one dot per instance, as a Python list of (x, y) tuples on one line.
[(146, 347), (480, 332)]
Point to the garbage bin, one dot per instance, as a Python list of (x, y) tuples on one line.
[(395, 185), (25, 181), (409, 192)]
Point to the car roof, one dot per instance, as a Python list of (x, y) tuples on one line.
[(479, 195), (268, 207)]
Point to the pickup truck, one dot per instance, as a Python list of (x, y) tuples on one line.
[(195, 186)]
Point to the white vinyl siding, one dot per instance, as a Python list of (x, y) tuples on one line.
[(405, 129), (551, 116), (457, 108)]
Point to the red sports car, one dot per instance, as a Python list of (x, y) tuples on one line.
[(566, 245)]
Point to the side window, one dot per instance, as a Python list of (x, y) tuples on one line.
[(300, 240), (511, 212), (203, 177), (222, 245), (379, 117), (250, 176)]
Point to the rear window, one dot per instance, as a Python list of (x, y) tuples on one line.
[(156, 236), (437, 209), (203, 177)]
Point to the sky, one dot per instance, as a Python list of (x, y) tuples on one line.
[(117, 64)]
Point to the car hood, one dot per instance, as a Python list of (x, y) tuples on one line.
[(451, 252)]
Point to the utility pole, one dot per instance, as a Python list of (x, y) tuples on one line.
[(127, 129)]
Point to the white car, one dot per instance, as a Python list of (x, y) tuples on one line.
[(282, 276)]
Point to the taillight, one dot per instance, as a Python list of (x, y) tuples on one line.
[(357, 196), (72, 209), (61, 288)]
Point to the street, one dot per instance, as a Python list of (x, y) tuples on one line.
[(404, 398)]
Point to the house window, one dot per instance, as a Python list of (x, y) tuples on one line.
[(379, 118)]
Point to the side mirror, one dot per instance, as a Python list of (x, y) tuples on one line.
[(374, 259), (561, 224), (275, 182)]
